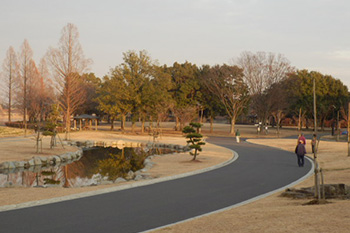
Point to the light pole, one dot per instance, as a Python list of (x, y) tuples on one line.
[(317, 187), (348, 129), (314, 93)]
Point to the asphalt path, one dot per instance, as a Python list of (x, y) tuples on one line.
[(257, 171)]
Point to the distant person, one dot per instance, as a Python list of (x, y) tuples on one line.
[(238, 136), (313, 143), (302, 138), (300, 151), (259, 128)]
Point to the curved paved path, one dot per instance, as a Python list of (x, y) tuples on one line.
[(257, 171)]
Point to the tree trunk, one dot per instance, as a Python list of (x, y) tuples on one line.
[(112, 123), (177, 124), (10, 61), (25, 121), (299, 124), (211, 124), (233, 122), (181, 125), (202, 111), (25, 106), (150, 122), (10, 99), (122, 122), (322, 123), (200, 119), (67, 123), (133, 127), (142, 126), (195, 155), (278, 124)]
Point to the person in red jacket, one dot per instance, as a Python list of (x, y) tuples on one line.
[(302, 137), (300, 151)]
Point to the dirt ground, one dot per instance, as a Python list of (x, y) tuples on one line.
[(24, 148), (270, 214)]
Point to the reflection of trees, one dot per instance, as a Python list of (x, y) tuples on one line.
[(157, 151), (88, 164), (49, 177), (110, 162), (115, 166), (119, 164)]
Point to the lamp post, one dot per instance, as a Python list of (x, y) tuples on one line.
[(348, 129), (315, 118), (317, 187)]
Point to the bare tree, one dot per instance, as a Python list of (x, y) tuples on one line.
[(46, 92), (68, 64), (261, 71), (277, 100), (25, 60), (33, 92), (10, 70), (185, 114)]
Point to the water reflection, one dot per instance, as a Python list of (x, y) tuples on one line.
[(97, 166)]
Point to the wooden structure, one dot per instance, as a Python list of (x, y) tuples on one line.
[(85, 122)]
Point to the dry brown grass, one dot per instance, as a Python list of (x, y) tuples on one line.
[(277, 214), (10, 132), (271, 214)]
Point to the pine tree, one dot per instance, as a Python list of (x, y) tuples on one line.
[(195, 138)]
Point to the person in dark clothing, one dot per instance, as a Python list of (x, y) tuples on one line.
[(300, 151), (302, 138)]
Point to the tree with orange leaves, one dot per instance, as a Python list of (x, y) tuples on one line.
[(67, 64)]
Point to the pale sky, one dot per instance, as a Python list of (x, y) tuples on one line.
[(311, 34)]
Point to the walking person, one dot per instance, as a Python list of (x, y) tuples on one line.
[(300, 151), (238, 136), (302, 137)]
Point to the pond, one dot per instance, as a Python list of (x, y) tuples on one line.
[(98, 165)]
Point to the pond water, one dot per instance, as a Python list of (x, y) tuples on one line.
[(97, 165)]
